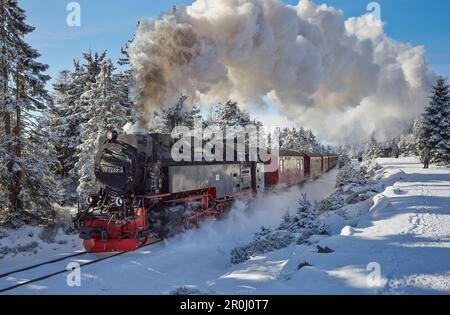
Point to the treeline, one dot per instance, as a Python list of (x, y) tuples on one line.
[(431, 129), (303, 140), (230, 114), (47, 139)]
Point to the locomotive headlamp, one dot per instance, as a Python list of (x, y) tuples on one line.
[(112, 135), (119, 202), (90, 200)]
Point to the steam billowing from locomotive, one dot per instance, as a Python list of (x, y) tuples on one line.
[(315, 67)]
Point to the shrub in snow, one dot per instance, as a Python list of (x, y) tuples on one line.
[(350, 174), (264, 241), (300, 225), (332, 203), (359, 196), (304, 221), (30, 247), (372, 167)]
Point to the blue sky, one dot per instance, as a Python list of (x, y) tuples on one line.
[(108, 24)]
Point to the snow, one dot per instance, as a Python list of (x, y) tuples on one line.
[(401, 233), (25, 247)]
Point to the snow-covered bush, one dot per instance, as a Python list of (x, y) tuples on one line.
[(304, 220), (298, 226), (264, 241), (332, 203), (373, 166), (343, 160), (351, 175), (29, 247), (359, 196)]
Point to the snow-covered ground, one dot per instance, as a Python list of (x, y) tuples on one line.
[(403, 235), (28, 245)]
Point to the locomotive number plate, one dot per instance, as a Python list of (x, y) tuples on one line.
[(111, 169)]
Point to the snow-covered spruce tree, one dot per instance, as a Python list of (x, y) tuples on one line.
[(288, 139), (67, 116), (311, 142), (409, 143), (25, 179), (178, 115), (229, 114), (62, 128), (436, 124), (125, 79), (417, 130), (304, 220), (105, 110), (373, 149), (343, 153)]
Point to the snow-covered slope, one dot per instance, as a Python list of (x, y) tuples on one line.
[(403, 235)]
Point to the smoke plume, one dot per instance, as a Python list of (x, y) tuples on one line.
[(341, 78)]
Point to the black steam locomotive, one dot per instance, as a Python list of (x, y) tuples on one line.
[(143, 194)]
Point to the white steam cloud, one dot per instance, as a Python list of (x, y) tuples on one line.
[(343, 79)]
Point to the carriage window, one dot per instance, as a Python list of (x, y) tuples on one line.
[(298, 165), (281, 166)]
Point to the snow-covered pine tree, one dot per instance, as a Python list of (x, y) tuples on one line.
[(82, 77), (436, 123), (283, 133), (178, 115), (125, 79), (417, 130), (288, 139), (343, 153), (373, 149), (229, 114), (105, 110), (25, 180), (302, 140), (62, 128), (311, 142)]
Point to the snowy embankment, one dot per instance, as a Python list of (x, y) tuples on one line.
[(397, 228)]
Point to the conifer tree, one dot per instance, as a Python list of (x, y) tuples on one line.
[(436, 124), (24, 180), (105, 110), (373, 149)]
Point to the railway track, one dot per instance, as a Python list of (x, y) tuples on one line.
[(28, 275)]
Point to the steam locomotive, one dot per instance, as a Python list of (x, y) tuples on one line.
[(143, 194)]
